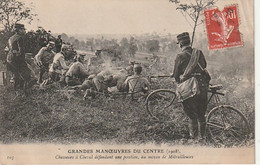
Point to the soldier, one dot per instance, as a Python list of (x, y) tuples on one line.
[(58, 66), (44, 58), (195, 107), (58, 44), (16, 59), (95, 83), (77, 72), (137, 83)]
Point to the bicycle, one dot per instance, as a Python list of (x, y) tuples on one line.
[(225, 124)]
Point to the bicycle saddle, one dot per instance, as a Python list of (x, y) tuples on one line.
[(215, 87)]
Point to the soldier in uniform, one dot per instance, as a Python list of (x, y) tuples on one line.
[(16, 59), (136, 82), (195, 107), (77, 71), (58, 44), (44, 58)]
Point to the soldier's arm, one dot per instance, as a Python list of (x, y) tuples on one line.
[(20, 47), (63, 64), (38, 57), (176, 69), (126, 81), (202, 60), (53, 52)]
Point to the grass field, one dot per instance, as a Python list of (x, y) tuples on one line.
[(55, 115)]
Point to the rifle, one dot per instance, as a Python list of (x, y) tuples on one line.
[(158, 76)]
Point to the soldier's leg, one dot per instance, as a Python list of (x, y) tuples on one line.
[(90, 89), (42, 71), (16, 76), (25, 72), (189, 107), (202, 107)]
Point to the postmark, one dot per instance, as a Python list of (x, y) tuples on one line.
[(223, 27)]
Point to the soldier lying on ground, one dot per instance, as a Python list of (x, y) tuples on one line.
[(77, 72), (91, 85)]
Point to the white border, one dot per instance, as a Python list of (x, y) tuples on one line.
[(257, 79)]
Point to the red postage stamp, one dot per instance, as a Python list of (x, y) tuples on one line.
[(223, 27)]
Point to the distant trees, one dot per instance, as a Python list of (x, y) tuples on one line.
[(152, 46), (75, 43), (13, 11), (32, 42), (129, 47)]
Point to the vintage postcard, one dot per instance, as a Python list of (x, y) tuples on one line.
[(127, 82)]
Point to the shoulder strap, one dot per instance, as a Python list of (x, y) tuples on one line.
[(198, 61), (194, 59)]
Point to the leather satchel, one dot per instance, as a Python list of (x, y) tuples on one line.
[(187, 89)]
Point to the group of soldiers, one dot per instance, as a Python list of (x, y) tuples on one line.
[(50, 60), (127, 80)]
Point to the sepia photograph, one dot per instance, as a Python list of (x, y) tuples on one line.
[(133, 81)]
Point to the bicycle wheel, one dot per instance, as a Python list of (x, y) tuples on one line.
[(160, 105), (227, 125)]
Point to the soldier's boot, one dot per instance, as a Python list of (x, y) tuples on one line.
[(193, 129), (202, 130)]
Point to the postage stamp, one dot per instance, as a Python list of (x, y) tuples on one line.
[(223, 27)]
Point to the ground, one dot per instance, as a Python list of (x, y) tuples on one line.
[(57, 115)]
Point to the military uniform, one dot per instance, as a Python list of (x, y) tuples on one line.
[(195, 107), (58, 44), (16, 59), (76, 73), (45, 55)]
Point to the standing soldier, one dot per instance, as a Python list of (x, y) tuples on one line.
[(195, 107), (44, 58), (58, 44), (16, 59)]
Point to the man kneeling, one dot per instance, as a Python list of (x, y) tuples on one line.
[(136, 83)]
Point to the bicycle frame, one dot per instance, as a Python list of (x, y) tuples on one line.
[(215, 95)]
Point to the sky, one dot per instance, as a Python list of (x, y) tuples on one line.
[(122, 16)]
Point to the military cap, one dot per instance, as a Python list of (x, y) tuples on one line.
[(183, 38), (19, 26)]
